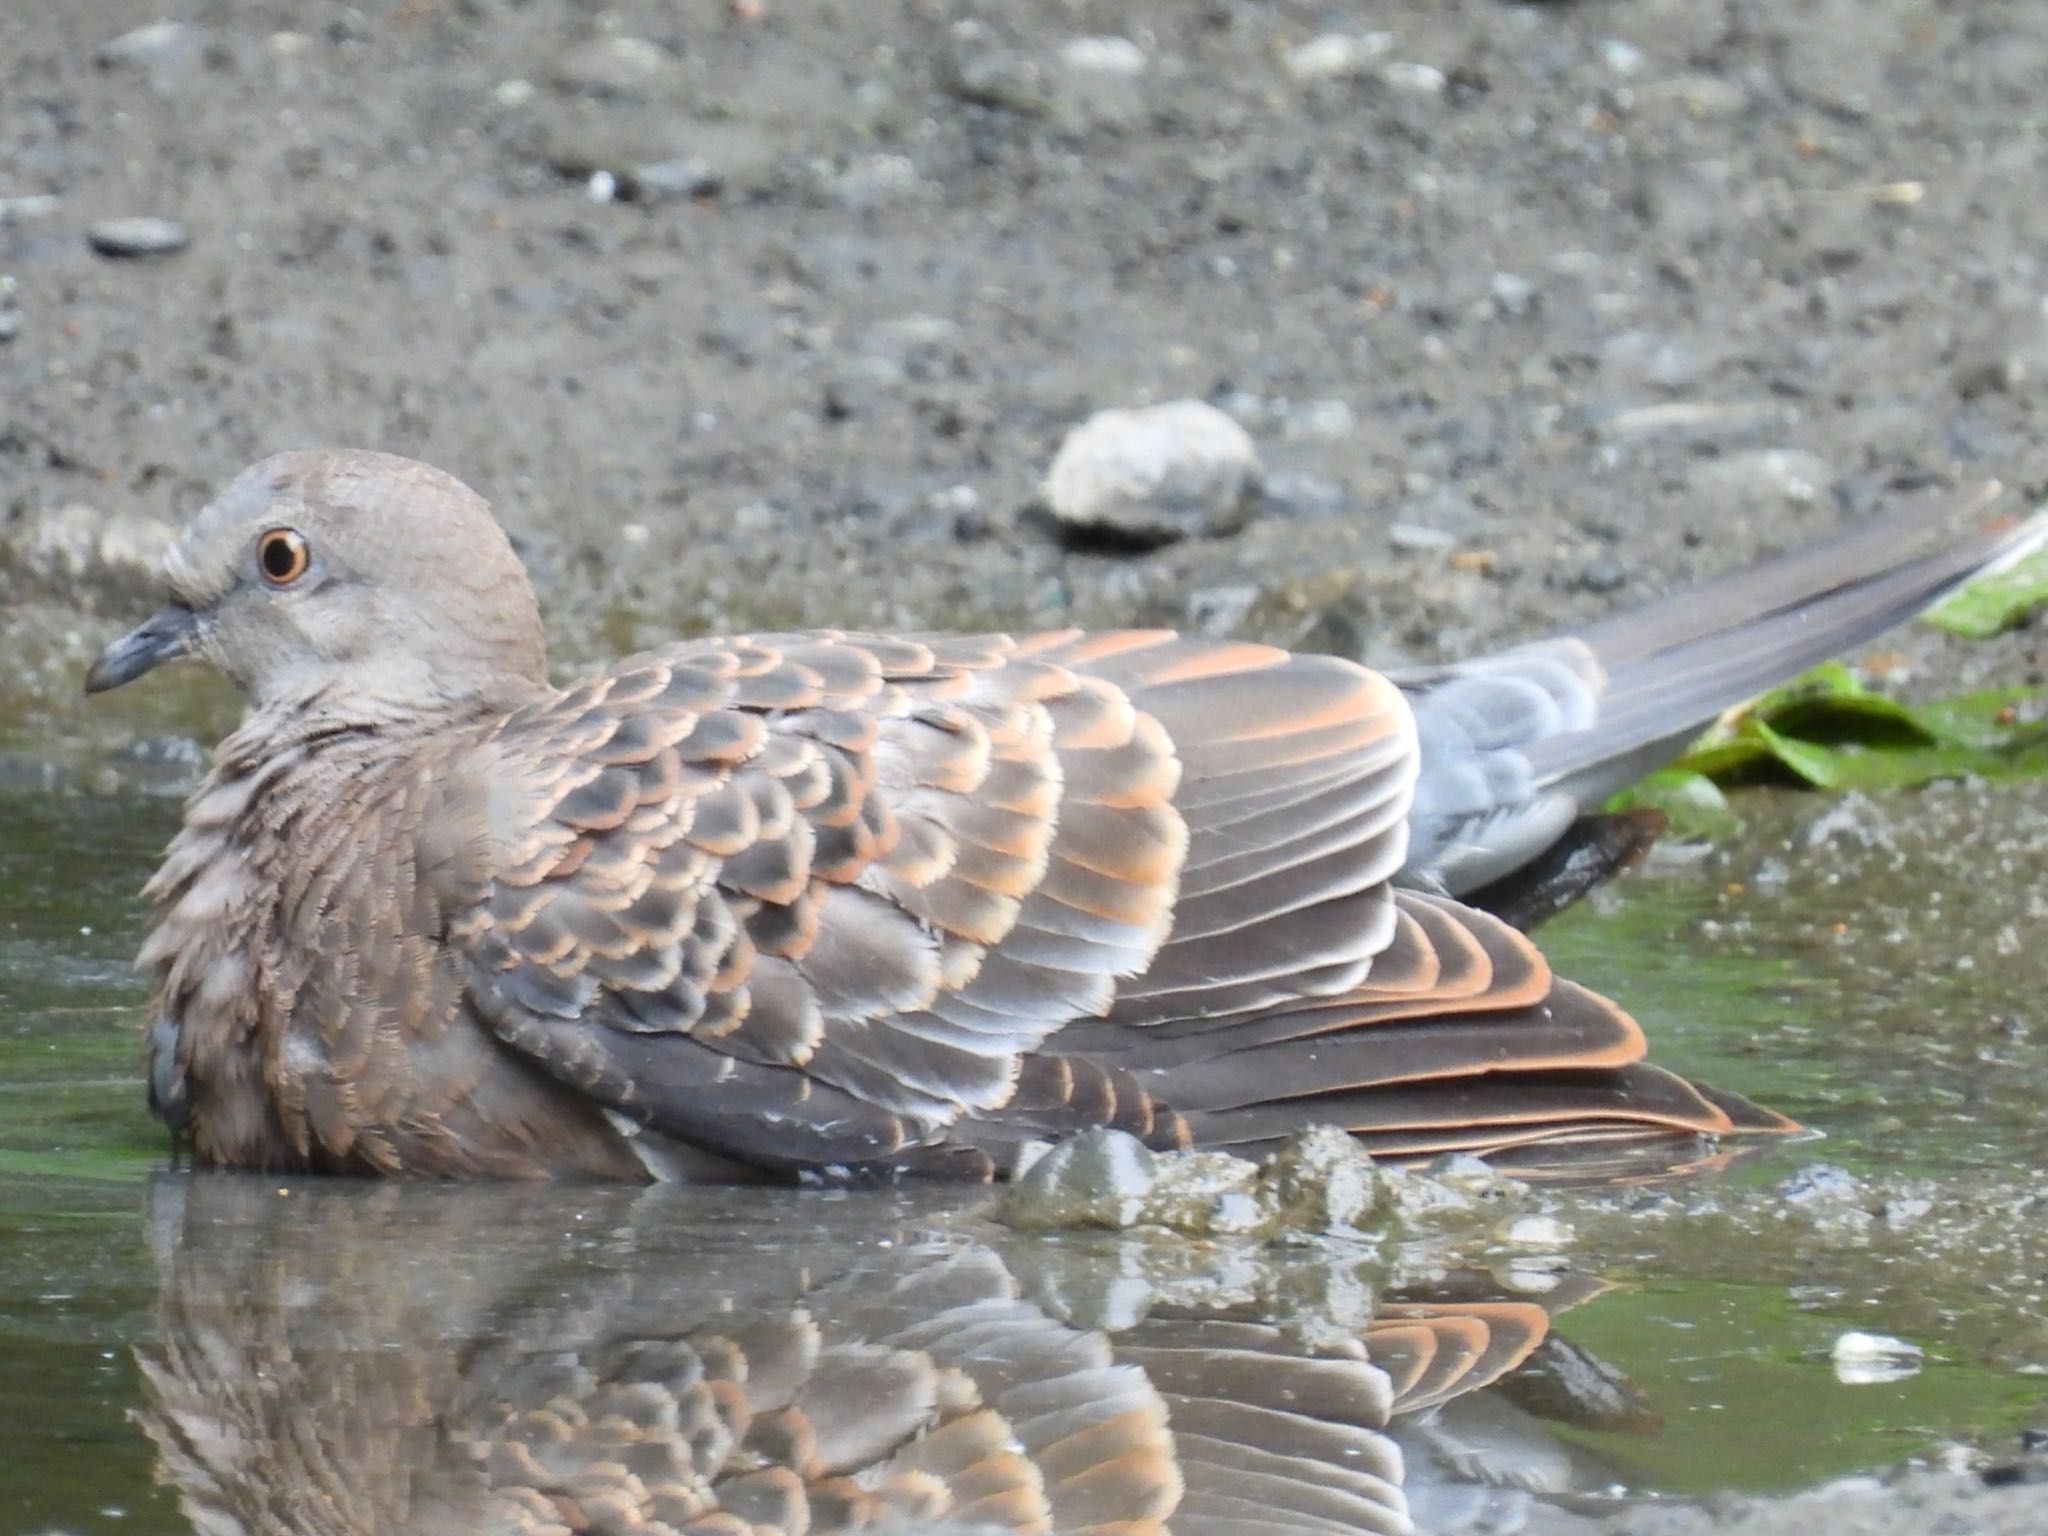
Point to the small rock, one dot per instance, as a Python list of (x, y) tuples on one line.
[(1002, 82), (1703, 97), (1297, 493), (10, 324), (1208, 1194), (1117, 56), (1221, 611), (34, 205), (1338, 55), (1472, 1175), (1153, 475), (1872, 1359), (655, 155), (1603, 573), (1512, 295), (1100, 83), (1421, 79), (1763, 477), (685, 176), (1345, 628), (136, 237), (877, 181), (1100, 1178), (631, 68), (1420, 539), (1666, 361), (158, 48), (1624, 58), (1454, 1191), (1323, 1181), (1546, 1234), (1321, 420)]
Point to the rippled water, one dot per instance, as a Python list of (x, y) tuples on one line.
[(261, 1355)]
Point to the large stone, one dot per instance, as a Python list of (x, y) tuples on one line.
[(1150, 476)]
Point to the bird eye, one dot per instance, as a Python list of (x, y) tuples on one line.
[(282, 556)]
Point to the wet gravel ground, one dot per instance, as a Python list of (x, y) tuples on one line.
[(1531, 309)]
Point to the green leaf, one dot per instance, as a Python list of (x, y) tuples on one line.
[(1828, 731), (1996, 603), (1691, 802), (1817, 765)]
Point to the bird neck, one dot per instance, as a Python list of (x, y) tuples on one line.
[(357, 725)]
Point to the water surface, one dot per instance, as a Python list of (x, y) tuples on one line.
[(239, 1354)]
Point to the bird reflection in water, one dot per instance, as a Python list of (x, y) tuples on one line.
[(334, 1359)]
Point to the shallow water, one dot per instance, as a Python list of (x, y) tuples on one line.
[(234, 1354)]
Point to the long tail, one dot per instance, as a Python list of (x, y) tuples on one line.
[(1519, 746)]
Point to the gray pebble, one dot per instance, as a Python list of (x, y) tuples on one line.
[(1221, 611), (1297, 493), (1670, 362), (1338, 55), (1002, 82), (686, 176), (162, 44), (1737, 482), (877, 181), (1512, 295), (137, 237), (1115, 56), (1323, 420), (1100, 83), (628, 68), (10, 324), (1420, 539), (1623, 57), (1603, 574), (1421, 79)]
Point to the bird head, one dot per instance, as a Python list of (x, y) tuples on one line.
[(344, 575)]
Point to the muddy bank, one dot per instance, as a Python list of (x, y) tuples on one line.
[(1530, 309)]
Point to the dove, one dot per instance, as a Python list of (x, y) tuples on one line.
[(839, 905)]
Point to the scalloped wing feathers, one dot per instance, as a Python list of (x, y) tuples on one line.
[(843, 899)]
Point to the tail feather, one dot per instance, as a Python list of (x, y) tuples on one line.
[(1517, 746), (1656, 701), (1869, 550)]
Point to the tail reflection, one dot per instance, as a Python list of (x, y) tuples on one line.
[(333, 1360)]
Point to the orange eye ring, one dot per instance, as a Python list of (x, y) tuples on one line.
[(282, 556)]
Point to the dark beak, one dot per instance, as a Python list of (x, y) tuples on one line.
[(164, 638)]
